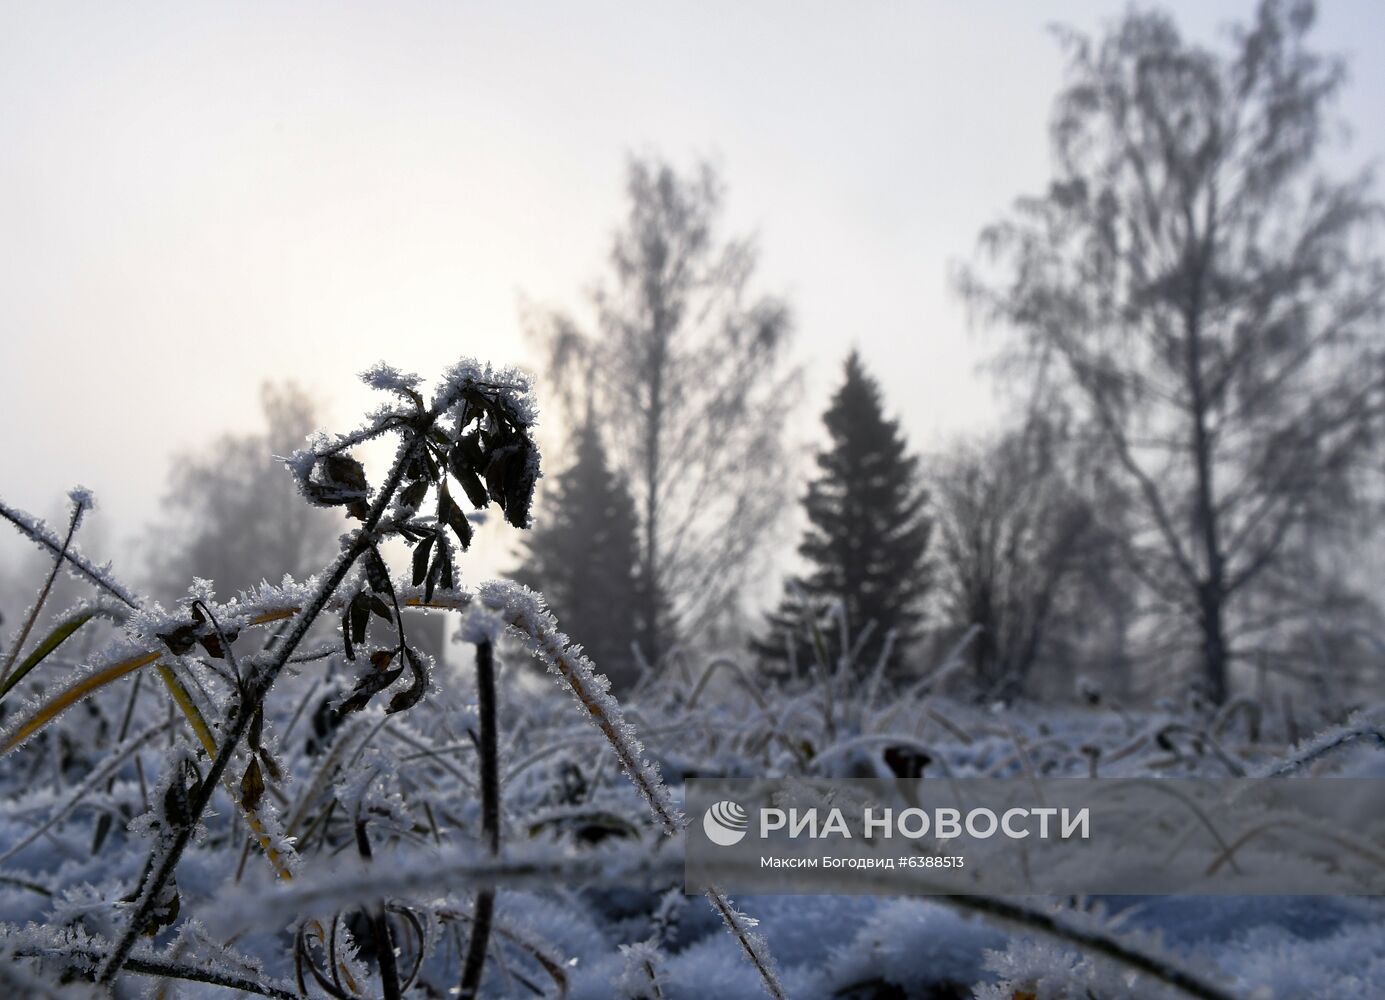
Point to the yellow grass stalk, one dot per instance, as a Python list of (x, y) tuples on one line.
[(203, 733), (55, 706), (92, 683)]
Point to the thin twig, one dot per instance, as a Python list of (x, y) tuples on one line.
[(35, 531), (380, 924), (163, 969), (475, 960), (1092, 939), (78, 508), (257, 687)]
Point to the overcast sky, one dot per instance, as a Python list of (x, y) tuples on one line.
[(194, 197)]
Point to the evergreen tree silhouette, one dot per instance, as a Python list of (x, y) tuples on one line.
[(867, 536), (582, 555)]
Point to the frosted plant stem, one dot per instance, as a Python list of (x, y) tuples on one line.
[(103, 825), (523, 613), (23, 637), (751, 943), (1092, 939), (164, 969), (490, 817), (380, 924), (164, 861), (38, 533)]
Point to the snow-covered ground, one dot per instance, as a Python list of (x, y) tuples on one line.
[(588, 895)]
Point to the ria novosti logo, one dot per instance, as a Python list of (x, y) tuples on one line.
[(725, 823)]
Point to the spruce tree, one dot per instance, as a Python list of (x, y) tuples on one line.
[(867, 536), (582, 556)]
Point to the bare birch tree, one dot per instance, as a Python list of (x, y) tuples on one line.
[(1206, 298), (687, 374)]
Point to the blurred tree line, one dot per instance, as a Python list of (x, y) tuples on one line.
[(1189, 313)]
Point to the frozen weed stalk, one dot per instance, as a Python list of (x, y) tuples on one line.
[(475, 437)]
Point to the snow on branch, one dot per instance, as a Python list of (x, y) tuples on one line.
[(524, 612), (37, 531)]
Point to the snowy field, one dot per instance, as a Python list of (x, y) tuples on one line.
[(587, 888), (283, 794)]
